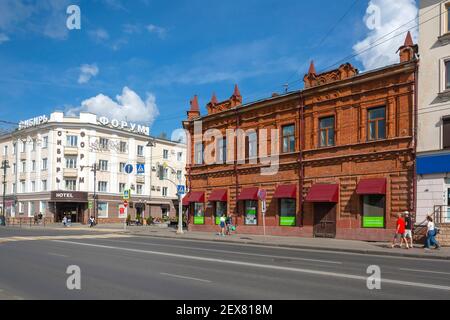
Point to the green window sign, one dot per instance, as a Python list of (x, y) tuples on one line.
[(373, 222), (288, 213), (199, 213), (287, 221)]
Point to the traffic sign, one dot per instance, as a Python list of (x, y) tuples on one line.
[(181, 190), (140, 168), (128, 169), (123, 212), (125, 203), (263, 207), (262, 194), (126, 194)]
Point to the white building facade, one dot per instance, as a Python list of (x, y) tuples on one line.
[(433, 148), (52, 170)]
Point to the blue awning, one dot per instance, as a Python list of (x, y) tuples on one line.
[(433, 164)]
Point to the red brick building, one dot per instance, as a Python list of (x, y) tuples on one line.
[(345, 147)]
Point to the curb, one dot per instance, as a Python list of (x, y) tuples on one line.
[(357, 251)]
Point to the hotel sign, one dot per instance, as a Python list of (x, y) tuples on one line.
[(124, 125), (64, 196), (33, 122)]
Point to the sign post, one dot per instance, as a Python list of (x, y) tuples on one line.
[(262, 194), (180, 193)]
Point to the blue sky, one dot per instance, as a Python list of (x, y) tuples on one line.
[(150, 57)]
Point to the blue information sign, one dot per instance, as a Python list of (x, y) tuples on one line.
[(140, 168), (180, 189), (128, 168)]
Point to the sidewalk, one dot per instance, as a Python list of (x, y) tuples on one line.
[(350, 246)]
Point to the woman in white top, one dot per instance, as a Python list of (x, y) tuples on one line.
[(431, 234)]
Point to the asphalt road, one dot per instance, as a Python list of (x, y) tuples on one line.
[(155, 268)]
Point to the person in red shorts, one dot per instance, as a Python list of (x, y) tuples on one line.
[(400, 232)]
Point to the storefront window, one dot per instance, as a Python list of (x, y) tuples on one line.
[(288, 212), (103, 210), (221, 209), (374, 208), (199, 213), (251, 212)]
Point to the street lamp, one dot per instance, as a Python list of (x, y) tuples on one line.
[(180, 205), (5, 166), (151, 143)]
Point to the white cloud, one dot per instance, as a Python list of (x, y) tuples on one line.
[(99, 35), (88, 71), (128, 106), (159, 31), (392, 16), (3, 38)]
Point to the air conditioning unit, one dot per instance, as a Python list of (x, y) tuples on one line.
[(172, 152)]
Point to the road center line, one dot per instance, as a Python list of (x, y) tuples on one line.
[(424, 271), (262, 266), (227, 251), (57, 255), (184, 277)]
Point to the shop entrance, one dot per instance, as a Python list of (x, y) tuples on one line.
[(324, 220), (73, 210)]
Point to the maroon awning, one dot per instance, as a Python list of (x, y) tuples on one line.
[(286, 192), (371, 186), (249, 194), (219, 195), (197, 196), (186, 200), (323, 193)]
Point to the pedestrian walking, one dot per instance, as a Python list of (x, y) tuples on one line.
[(64, 221), (431, 235), (409, 229), (228, 224), (222, 225), (400, 232), (36, 218), (91, 222)]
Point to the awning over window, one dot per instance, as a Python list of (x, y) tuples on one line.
[(286, 192), (371, 186), (197, 196), (323, 193), (249, 194), (219, 195)]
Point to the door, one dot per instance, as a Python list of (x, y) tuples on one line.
[(325, 220), (448, 206)]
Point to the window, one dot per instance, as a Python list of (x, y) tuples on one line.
[(45, 142), (44, 164), (166, 173), (21, 208), (15, 168), (14, 148), (180, 156), (140, 151), (377, 124), (326, 132), (31, 209), (122, 167), (33, 186), (288, 212), (23, 187), (252, 145), (24, 166), (14, 188), (121, 187), (139, 189), (33, 165), (446, 133), (103, 165), (5, 150), (72, 141), (164, 191), (221, 210), (71, 185), (447, 75), (179, 175), (198, 153), (199, 213), (288, 138), (23, 147), (104, 144), (43, 207), (33, 146), (221, 151), (251, 212), (123, 148), (103, 186), (71, 162), (102, 209), (44, 185), (447, 7), (165, 154), (373, 211)]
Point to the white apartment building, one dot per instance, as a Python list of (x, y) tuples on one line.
[(433, 149), (51, 169)]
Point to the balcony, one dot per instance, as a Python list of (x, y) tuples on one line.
[(140, 179), (70, 173), (70, 151), (23, 176), (23, 156)]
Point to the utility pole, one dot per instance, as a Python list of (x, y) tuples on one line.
[(5, 166), (151, 144), (94, 169)]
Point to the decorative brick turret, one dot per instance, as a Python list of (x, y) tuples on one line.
[(312, 79), (409, 50), (235, 100), (194, 111)]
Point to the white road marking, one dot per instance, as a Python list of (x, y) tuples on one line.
[(183, 277), (57, 255), (263, 266), (80, 237), (424, 271), (227, 251)]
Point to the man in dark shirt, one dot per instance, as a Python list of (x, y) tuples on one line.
[(409, 228)]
